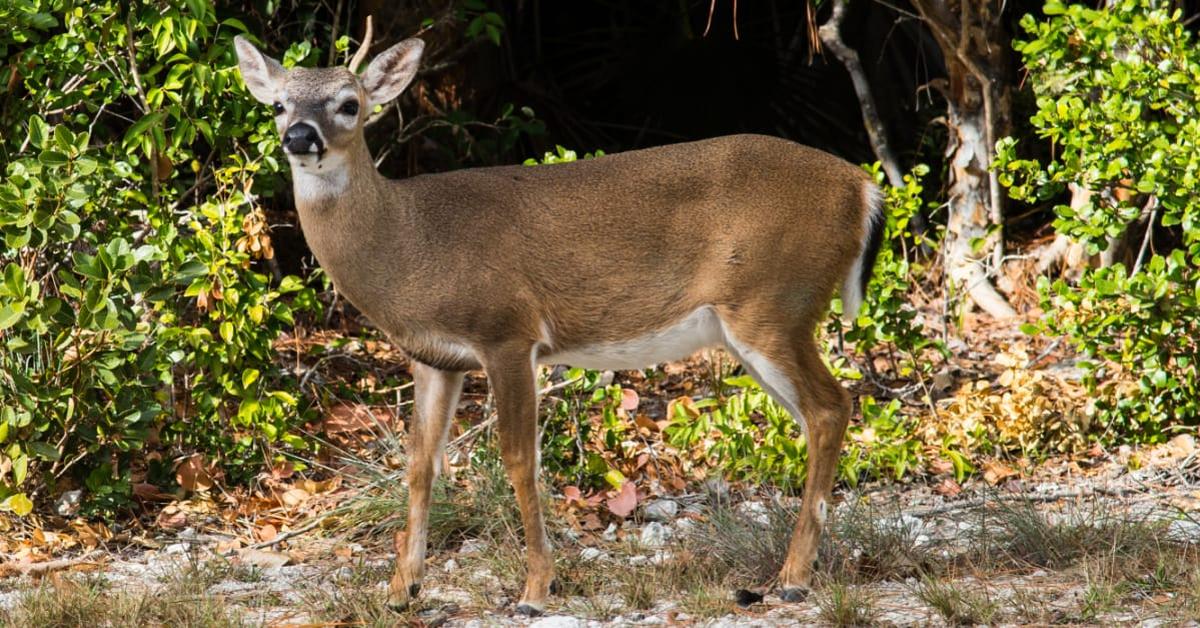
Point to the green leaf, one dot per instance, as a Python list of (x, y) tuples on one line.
[(42, 450), (52, 158), (283, 396), (39, 131), (86, 165), (141, 127), (18, 504), (11, 314), (20, 469)]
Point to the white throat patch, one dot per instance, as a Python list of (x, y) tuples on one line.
[(317, 180)]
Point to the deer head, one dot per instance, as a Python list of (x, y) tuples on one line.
[(320, 112)]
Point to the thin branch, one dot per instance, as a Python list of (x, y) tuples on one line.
[(333, 33), (1047, 497), (1153, 205), (15, 567), (830, 34), (290, 533)]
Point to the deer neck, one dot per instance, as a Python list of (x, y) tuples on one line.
[(342, 201)]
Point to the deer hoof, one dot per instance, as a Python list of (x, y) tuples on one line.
[(529, 610), (793, 594), (746, 598), (399, 602)]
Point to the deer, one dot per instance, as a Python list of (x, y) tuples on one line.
[(737, 242)]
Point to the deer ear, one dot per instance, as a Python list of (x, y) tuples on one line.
[(392, 71), (261, 73)]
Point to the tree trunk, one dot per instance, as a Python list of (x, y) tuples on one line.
[(971, 36)]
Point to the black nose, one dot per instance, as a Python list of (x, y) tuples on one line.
[(301, 138)]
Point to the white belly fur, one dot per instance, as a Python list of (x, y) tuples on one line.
[(699, 330)]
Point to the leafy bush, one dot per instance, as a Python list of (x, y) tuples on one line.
[(1118, 96), (751, 437), (581, 427), (134, 306)]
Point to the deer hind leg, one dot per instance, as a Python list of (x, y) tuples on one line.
[(794, 375), (511, 375), (437, 395)]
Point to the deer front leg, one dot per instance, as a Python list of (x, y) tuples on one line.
[(436, 400), (511, 375)]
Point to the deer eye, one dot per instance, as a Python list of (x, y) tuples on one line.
[(349, 108), (278, 108)]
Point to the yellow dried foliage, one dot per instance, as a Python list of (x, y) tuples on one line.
[(1021, 411), (256, 238)]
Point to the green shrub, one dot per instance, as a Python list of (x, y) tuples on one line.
[(134, 306), (1118, 97), (750, 437)]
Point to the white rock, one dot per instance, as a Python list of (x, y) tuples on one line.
[(472, 546), (591, 553), (176, 548), (1184, 530), (67, 504), (654, 534), (449, 595), (660, 510), (610, 533), (754, 511), (557, 621), (451, 565), (485, 578), (343, 573)]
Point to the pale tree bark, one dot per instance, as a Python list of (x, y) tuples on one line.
[(970, 34)]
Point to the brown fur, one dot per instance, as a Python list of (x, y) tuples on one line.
[(491, 267)]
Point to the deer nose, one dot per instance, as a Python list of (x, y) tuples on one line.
[(301, 138)]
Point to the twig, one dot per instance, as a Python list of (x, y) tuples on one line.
[(831, 36), (1045, 497), (476, 429), (1153, 203), (333, 33), (25, 569), (290, 533)]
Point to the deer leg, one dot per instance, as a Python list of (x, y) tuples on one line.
[(797, 379), (825, 408), (511, 375), (436, 400)]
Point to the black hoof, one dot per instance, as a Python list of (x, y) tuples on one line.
[(397, 607), (555, 587), (745, 597), (793, 594), (529, 610)]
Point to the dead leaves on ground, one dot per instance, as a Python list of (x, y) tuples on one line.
[(1021, 410)]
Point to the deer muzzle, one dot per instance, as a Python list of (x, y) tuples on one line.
[(302, 139)]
